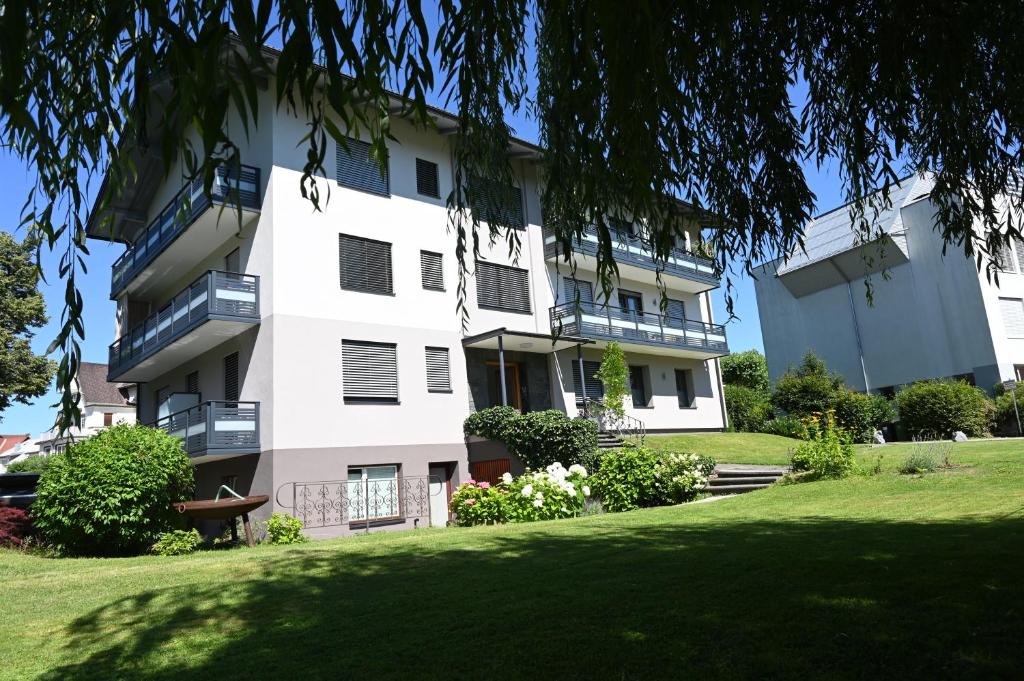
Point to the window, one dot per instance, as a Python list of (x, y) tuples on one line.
[(1013, 316), (162, 398), (631, 302), (231, 377), (365, 265), (583, 289), (438, 372), (675, 313), (233, 262), (192, 383), (1004, 259), (493, 201), (230, 481), (432, 270), (622, 230), (638, 386), (108, 418), (376, 497), (426, 179), (369, 371), (595, 389), (358, 170), (684, 387), (502, 287)]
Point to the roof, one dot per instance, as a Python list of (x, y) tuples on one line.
[(95, 389), (11, 441), (834, 232)]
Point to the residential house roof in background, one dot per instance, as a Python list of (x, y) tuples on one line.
[(95, 389), (11, 441)]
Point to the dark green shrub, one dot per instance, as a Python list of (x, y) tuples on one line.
[(537, 438), (937, 409), (628, 480), (748, 409), (1006, 415), (856, 413), (112, 494), (177, 543), (36, 463), (786, 426), (283, 528), (748, 369), (808, 389)]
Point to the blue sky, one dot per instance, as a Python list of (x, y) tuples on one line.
[(16, 178)]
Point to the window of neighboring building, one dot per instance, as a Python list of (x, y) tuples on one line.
[(369, 371), (493, 201), (358, 169), (684, 387), (365, 265), (427, 183), (108, 418), (376, 498), (595, 389), (438, 372), (432, 270), (1013, 316), (1004, 259), (638, 386), (502, 287), (231, 377)]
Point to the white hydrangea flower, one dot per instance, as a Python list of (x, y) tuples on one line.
[(506, 478), (540, 496), (538, 503), (528, 490), (586, 490), (577, 469)]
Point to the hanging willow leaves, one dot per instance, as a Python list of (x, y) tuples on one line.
[(667, 112)]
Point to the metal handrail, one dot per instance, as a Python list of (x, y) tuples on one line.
[(610, 312), (624, 426), (197, 426)]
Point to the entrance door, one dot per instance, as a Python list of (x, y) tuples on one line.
[(512, 385), (440, 494)]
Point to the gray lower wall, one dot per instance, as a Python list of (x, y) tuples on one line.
[(533, 371)]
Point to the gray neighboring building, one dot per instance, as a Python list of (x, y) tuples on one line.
[(932, 315)]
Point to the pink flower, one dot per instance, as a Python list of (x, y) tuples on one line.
[(471, 481), (470, 502), (485, 485)]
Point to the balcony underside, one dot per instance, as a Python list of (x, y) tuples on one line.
[(635, 265), (213, 228), (194, 342)]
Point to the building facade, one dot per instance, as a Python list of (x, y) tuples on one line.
[(318, 356), (932, 314)]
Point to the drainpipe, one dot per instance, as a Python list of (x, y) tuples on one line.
[(501, 371)]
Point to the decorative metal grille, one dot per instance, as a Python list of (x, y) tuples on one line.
[(342, 502)]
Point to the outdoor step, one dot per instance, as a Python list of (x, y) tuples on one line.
[(746, 480), (735, 489), (749, 473)]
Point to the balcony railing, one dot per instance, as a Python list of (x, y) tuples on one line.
[(181, 211), (630, 250), (215, 295), (215, 427), (591, 320)]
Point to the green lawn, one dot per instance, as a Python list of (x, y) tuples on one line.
[(871, 577)]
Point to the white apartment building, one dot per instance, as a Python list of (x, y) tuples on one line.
[(318, 357), (933, 315)]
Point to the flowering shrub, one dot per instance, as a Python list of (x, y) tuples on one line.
[(685, 475), (639, 478), (827, 451), (555, 492)]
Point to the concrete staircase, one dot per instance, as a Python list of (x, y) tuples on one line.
[(739, 478), (608, 440)]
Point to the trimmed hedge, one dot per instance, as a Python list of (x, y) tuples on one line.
[(537, 438), (937, 409), (748, 408)]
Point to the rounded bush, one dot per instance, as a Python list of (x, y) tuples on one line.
[(537, 438), (629, 479), (283, 528), (749, 409), (112, 494), (937, 409)]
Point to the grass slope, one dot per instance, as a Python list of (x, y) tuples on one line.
[(882, 576)]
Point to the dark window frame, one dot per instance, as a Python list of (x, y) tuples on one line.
[(687, 389), (501, 306), (423, 165), (346, 283)]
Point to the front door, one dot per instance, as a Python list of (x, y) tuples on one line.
[(440, 494), (512, 385)]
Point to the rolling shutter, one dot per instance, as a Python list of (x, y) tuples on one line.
[(432, 270), (1013, 316), (231, 377), (584, 288), (427, 182), (675, 313), (438, 371), (369, 371), (192, 382), (495, 202), (357, 170), (595, 390), (502, 287), (1004, 259), (365, 264)]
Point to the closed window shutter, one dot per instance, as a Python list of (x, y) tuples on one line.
[(432, 270), (1013, 316), (192, 382), (502, 287), (1018, 247), (369, 371), (495, 202), (427, 182), (583, 288), (1004, 259), (595, 390), (231, 377), (365, 264), (438, 371), (356, 169)]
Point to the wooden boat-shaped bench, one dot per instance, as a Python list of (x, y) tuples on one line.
[(225, 509)]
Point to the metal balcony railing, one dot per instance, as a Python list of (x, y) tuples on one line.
[(591, 320), (215, 427), (215, 295), (180, 212), (630, 250)]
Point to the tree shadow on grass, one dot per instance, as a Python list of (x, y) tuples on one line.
[(819, 598)]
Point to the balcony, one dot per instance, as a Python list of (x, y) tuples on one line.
[(691, 273), (217, 306), (651, 333), (157, 254), (215, 428)]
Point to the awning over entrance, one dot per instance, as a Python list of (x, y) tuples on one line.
[(522, 341)]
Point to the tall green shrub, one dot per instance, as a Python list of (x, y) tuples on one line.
[(537, 438), (749, 409), (748, 369), (937, 409), (112, 494), (614, 377), (808, 389)]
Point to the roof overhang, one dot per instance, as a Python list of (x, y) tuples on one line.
[(845, 266), (522, 341)]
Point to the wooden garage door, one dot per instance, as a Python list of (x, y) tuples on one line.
[(490, 470)]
